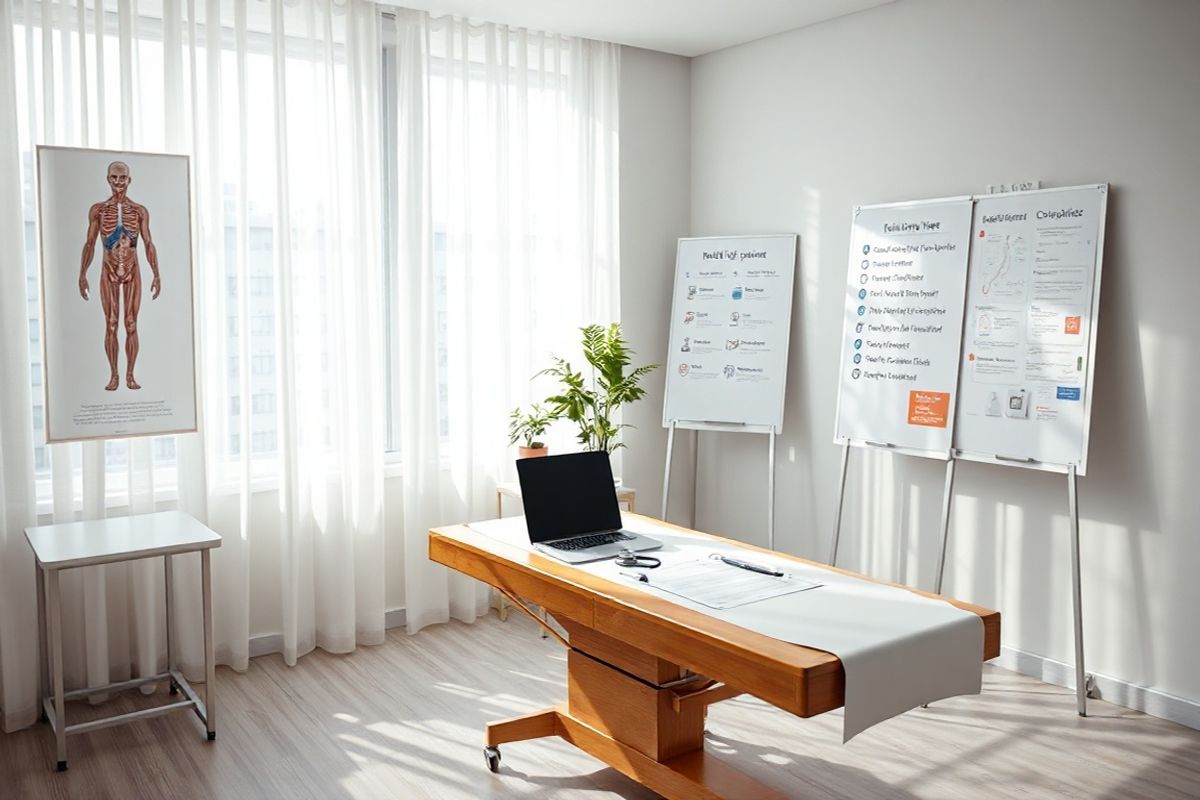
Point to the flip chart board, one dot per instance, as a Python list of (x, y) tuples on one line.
[(903, 325), (731, 314), (1029, 341)]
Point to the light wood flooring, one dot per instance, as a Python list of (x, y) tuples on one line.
[(405, 720)]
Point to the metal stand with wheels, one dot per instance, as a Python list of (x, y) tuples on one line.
[(1084, 683)]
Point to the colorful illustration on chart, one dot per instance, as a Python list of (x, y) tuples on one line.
[(1005, 258), (119, 223)]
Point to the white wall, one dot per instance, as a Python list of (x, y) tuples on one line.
[(927, 98), (655, 193)]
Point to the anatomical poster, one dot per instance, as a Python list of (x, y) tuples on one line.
[(116, 284)]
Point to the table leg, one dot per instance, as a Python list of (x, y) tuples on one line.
[(43, 662), (501, 604), (56, 669), (209, 666), (169, 594)]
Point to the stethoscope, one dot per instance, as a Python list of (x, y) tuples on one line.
[(628, 558)]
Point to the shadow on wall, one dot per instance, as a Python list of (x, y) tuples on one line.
[(795, 450), (1119, 491)]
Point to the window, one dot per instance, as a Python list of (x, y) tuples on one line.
[(239, 247)]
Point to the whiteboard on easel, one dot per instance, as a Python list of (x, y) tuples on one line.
[(902, 325), (1030, 335), (731, 313)]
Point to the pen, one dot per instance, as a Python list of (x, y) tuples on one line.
[(637, 576), (733, 562)]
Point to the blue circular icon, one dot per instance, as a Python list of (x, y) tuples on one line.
[(862, 310), (858, 358), (737, 293), (862, 294), (865, 263), (857, 344), (866, 249)]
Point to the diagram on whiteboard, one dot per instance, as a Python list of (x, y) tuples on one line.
[(903, 324), (730, 324), (1030, 303), (1005, 265)]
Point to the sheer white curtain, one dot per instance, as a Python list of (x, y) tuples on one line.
[(506, 243), (277, 103)]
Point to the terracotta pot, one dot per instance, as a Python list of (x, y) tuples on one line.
[(533, 452)]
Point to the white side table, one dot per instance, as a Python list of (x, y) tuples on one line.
[(104, 541), (625, 494)]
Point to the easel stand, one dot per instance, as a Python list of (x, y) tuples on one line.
[(725, 427), (1085, 684), (837, 517)]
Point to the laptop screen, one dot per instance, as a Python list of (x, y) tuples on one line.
[(568, 495)]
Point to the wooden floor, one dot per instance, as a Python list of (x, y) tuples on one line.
[(405, 720)]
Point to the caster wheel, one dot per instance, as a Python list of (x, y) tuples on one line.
[(174, 689), (492, 756), (61, 767), (212, 736)]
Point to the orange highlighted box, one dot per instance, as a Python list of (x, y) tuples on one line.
[(930, 409), (1072, 325)]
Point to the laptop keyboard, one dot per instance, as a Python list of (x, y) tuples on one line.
[(592, 540)]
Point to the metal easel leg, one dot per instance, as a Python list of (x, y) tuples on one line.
[(837, 517), (771, 491), (1082, 679), (947, 501), (666, 492)]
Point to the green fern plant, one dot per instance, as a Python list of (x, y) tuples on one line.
[(529, 427), (592, 402)]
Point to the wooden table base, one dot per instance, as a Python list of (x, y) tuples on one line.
[(639, 714), (695, 775)]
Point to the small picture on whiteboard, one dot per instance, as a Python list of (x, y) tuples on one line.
[(1018, 404), (993, 405)]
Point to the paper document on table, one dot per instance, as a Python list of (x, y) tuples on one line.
[(719, 585)]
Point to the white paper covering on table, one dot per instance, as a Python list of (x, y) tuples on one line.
[(899, 649)]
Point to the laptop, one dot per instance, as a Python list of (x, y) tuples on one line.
[(571, 508)]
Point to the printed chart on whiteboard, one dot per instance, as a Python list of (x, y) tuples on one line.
[(730, 324), (1031, 303), (903, 325)]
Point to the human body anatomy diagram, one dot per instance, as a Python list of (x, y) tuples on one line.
[(120, 224)]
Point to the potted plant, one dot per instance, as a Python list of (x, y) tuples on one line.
[(528, 427), (592, 402)]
